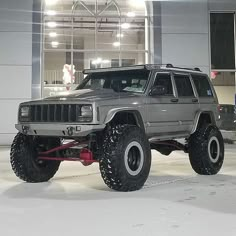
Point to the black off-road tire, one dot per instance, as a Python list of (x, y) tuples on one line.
[(126, 159), (23, 156), (206, 150)]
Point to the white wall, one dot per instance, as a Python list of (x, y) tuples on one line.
[(185, 39), (15, 62), (225, 94)]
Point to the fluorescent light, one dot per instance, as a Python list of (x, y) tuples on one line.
[(125, 25), (131, 14), (106, 61), (51, 13), (97, 61), (52, 24), (120, 35), (52, 34), (50, 2), (54, 44), (100, 61), (116, 44)]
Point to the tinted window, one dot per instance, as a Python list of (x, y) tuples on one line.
[(184, 86), (222, 41), (163, 79), (202, 85)]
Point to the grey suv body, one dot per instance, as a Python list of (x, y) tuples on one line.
[(121, 113)]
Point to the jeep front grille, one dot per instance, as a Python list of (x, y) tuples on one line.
[(54, 113)]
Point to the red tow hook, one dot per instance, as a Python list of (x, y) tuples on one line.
[(86, 157)]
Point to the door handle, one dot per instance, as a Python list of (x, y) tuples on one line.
[(174, 100), (195, 100)]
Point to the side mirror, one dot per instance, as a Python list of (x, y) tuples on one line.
[(158, 91)]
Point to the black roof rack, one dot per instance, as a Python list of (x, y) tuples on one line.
[(175, 67), (138, 67)]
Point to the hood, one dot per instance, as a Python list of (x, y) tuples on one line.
[(90, 95)]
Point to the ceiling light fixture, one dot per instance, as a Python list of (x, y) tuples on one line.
[(50, 2), (52, 24), (51, 13), (54, 44), (52, 34), (125, 25), (131, 14)]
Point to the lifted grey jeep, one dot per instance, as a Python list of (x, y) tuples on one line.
[(115, 117)]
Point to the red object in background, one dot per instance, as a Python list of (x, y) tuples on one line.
[(214, 74)]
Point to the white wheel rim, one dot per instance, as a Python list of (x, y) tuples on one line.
[(140, 160), (214, 159)]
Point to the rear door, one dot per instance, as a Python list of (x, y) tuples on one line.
[(188, 102), (206, 94)]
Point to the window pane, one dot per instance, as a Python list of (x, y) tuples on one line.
[(164, 80), (129, 59), (133, 36), (84, 33), (133, 57), (202, 85), (58, 37), (124, 62), (222, 41), (184, 86), (107, 33)]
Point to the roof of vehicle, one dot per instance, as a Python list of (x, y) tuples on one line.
[(143, 67)]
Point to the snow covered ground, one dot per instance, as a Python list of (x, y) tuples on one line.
[(175, 201)]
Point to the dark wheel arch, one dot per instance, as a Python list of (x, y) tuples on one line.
[(131, 117), (203, 119)]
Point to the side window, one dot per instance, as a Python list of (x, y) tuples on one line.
[(164, 79), (202, 85), (183, 85)]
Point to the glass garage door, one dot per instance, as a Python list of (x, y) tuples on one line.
[(89, 34)]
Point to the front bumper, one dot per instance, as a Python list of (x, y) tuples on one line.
[(58, 130)]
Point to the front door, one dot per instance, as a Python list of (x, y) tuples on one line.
[(161, 109)]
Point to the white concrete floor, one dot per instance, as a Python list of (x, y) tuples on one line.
[(174, 201)]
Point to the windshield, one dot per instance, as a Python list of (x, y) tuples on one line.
[(119, 81)]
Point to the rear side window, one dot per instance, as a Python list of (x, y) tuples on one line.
[(164, 79), (183, 85), (202, 85)]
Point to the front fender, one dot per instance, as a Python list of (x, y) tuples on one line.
[(114, 111), (136, 113)]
